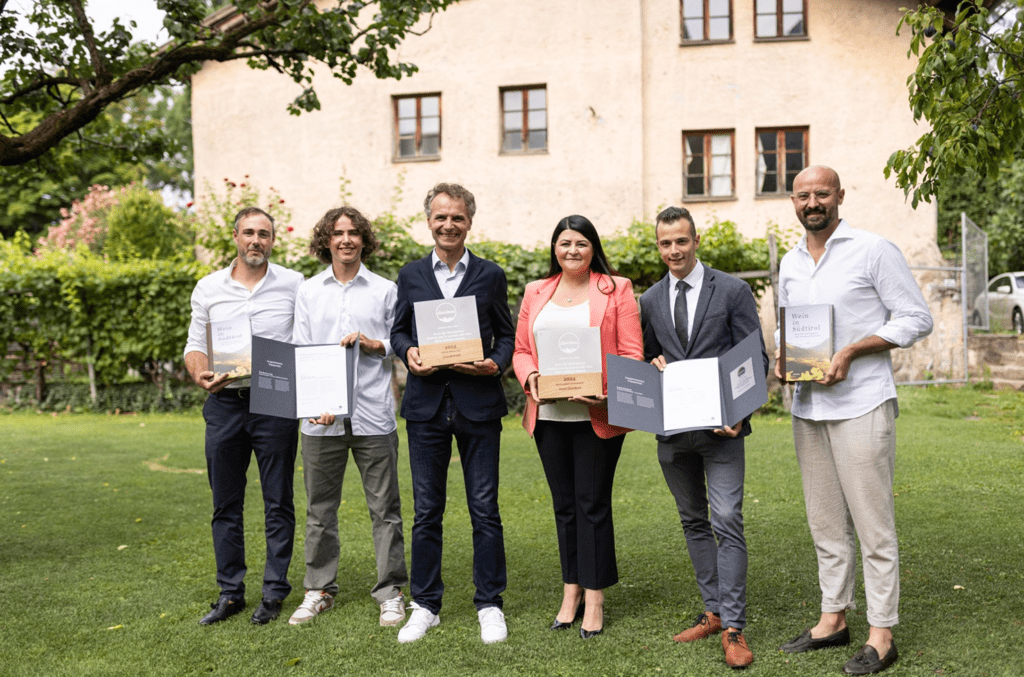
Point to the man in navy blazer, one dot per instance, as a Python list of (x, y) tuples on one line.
[(696, 311), (466, 401)]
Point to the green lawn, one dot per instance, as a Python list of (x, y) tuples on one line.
[(106, 563)]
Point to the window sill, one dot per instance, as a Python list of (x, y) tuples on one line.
[(784, 38), (702, 43), (419, 158), (689, 199), (514, 153)]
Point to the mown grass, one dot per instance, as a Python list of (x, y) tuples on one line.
[(106, 563)]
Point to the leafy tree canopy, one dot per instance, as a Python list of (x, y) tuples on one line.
[(967, 87), (61, 75)]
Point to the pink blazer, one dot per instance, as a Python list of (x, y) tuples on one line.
[(615, 312)]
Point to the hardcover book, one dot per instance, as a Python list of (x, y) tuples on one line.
[(229, 347), (569, 363), (698, 394), (448, 331), (292, 381), (806, 341)]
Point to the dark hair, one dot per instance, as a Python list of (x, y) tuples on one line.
[(671, 215), (320, 243), (455, 192), (583, 226), (249, 211)]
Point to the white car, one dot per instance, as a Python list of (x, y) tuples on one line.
[(1005, 303)]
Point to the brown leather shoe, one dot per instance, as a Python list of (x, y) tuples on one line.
[(706, 625), (737, 653)]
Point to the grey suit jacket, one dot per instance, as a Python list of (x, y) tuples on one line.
[(726, 314)]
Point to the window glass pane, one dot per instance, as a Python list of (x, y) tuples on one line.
[(538, 99), (767, 6), (693, 9), (431, 126), (695, 185), (538, 119), (407, 108), (513, 121), (718, 29), (721, 144), (407, 126), (430, 105), (770, 185), (794, 162), (721, 165), (770, 162), (792, 24), (795, 140), (431, 145), (721, 185), (793, 6), (767, 140), (538, 140), (407, 147), (1020, 282), (695, 167), (513, 100), (693, 29), (766, 27), (718, 8), (789, 180), (695, 144), (994, 284), (513, 141)]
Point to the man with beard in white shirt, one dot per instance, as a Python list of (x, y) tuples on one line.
[(344, 303)]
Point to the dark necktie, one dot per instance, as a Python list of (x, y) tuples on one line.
[(680, 315)]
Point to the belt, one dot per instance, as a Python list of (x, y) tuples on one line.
[(233, 393)]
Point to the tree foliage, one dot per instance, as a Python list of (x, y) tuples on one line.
[(61, 75), (967, 87)]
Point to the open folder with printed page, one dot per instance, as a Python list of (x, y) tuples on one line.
[(292, 381), (698, 394)]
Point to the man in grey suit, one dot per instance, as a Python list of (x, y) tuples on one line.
[(696, 311)]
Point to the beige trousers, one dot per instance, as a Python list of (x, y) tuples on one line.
[(847, 468)]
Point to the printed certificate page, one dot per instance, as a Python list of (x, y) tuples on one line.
[(321, 381), (693, 397)]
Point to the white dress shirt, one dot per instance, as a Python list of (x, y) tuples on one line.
[(696, 280), (449, 280), (867, 281), (325, 312), (270, 306)]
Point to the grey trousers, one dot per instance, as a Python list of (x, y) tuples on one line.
[(847, 469), (706, 473), (324, 459)]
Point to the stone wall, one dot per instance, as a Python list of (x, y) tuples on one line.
[(998, 358)]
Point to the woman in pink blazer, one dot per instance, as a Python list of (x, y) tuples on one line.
[(578, 448)]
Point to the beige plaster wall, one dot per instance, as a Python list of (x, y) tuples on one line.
[(620, 92)]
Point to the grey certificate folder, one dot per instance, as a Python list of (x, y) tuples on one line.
[(642, 397), (289, 381)]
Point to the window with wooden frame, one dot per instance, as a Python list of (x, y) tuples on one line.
[(524, 119), (780, 19), (781, 155), (706, 20), (417, 126), (707, 164)]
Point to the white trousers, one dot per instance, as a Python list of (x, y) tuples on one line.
[(847, 468)]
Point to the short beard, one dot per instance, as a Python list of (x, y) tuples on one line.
[(258, 263), (814, 229)]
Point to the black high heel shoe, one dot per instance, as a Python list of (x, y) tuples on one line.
[(559, 625), (587, 634)]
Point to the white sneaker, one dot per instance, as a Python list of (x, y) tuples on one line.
[(313, 603), (492, 625), (392, 611), (419, 622)]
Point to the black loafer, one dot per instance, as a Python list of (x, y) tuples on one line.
[(807, 643), (268, 610), (867, 662), (223, 608)]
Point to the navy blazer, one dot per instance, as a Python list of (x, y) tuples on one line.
[(479, 398), (726, 314)]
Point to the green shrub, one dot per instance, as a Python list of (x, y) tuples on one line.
[(140, 226)]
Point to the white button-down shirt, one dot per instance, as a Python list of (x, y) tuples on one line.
[(270, 306), (696, 280), (872, 292), (325, 312), (449, 280)]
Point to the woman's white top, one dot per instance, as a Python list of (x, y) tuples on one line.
[(553, 316)]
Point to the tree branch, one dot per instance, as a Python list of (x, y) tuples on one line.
[(99, 66)]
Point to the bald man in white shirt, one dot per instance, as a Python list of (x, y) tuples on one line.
[(844, 425)]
